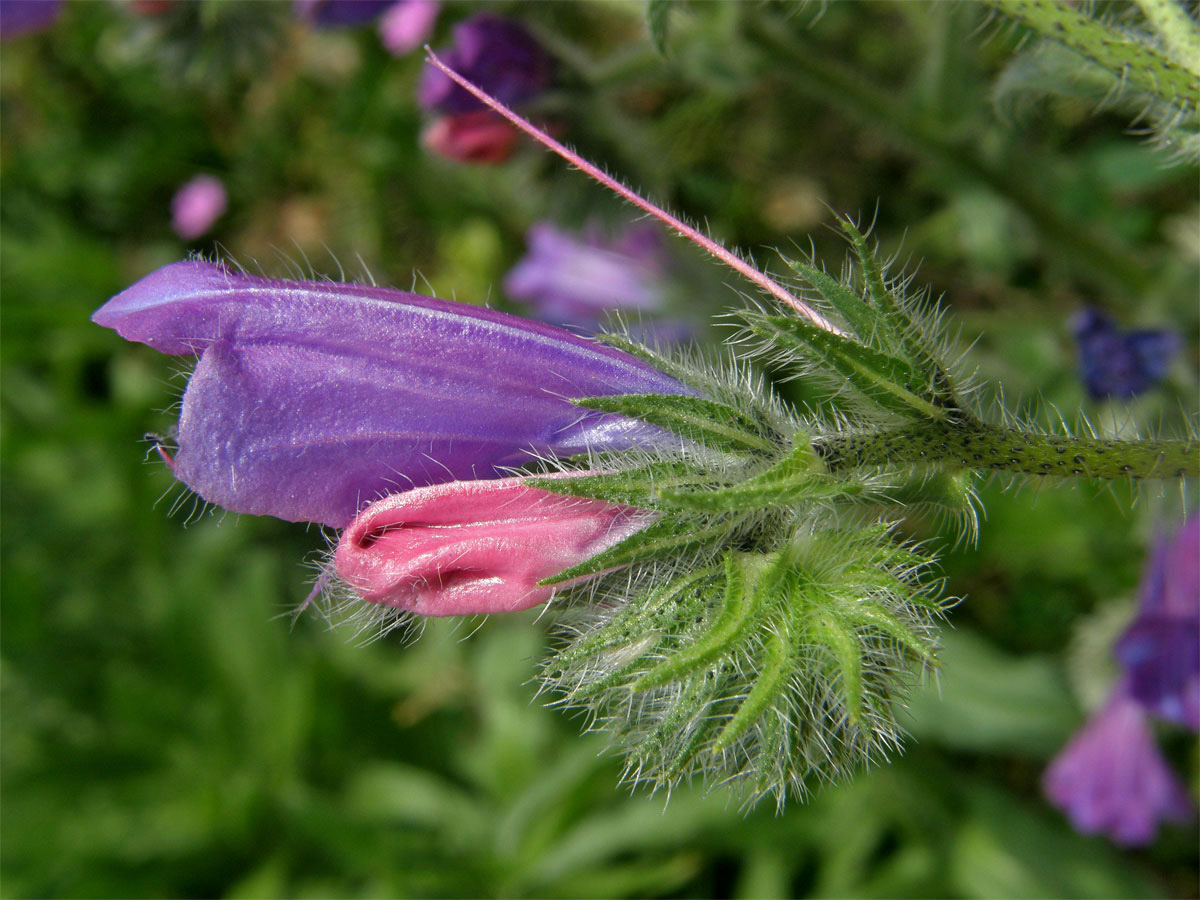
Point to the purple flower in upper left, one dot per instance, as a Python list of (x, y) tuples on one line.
[(18, 17)]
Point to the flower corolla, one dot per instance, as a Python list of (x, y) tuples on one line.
[(474, 546), (311, 399), (1111, 779), (1161, 648), (572, 280)]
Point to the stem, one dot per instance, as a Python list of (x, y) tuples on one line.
[(828, 80), (696, 237), (1177, 29), (1137, 61), (976, 445)]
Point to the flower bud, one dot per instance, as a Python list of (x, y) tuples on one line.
[(474, 546)]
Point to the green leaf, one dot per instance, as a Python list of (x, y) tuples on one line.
[(885, 380), (715, 425), (658, 14)]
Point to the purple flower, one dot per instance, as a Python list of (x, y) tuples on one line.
[(1115, 363), (573, 281), (339, 12), (407, 24), (196, 206), (18, 17), (313, 398), (498, 55), (1161, 649), (1110, 779)]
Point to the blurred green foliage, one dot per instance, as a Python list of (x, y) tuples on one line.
[(167, 731)]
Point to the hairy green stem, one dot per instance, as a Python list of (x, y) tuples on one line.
[(1179, 31), (830, 81), (979, 446), (1137, 61)]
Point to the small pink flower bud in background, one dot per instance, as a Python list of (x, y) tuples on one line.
[(479, 136), (196, 206), (407, 24), (474, 546)]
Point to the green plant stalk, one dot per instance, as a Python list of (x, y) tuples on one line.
[(1177, 29), (978, 446), (831, 82), (1139, 62)]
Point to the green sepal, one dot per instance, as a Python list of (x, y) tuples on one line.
[(886, 381), (639, 486), (664, 364), (767, 686), (789, 481), (896, 318), (871, 615), (862, 320), (618, 631), (714, 425), (666, 536), (737, 612), (828, 630)]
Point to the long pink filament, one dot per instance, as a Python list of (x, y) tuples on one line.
[(707, 244)]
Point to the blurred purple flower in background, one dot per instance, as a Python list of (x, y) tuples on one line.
[(1161, 649), (1122, 364), (499, 55), (407, 24), (18, 17), (313, 398), (339, 12), (479, 136), (1110, 779), (196, 206), (570, 280)]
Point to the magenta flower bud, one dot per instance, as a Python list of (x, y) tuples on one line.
[(407, 24), (313, 398), (480, 136), (1111, 779), (196, 206), (498, 55), (474, 546)]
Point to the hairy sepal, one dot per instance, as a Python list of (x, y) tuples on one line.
[(884, 381), (772, 670)]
